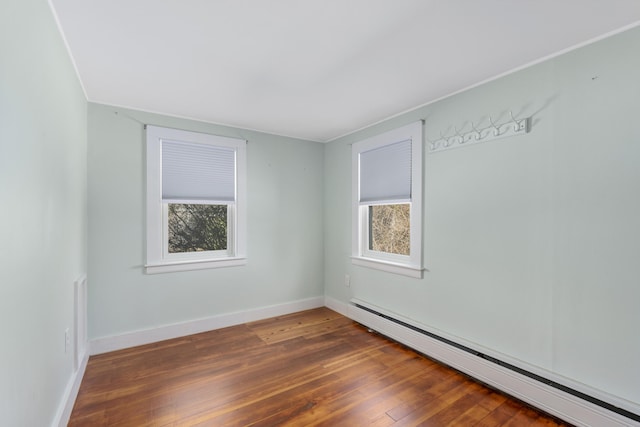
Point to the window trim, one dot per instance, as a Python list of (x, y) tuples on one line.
[(411, 265), (157, 258)]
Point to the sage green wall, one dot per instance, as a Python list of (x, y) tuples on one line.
[(43, 217), (284, 229), (531, 242)]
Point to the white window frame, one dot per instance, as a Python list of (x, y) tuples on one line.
[(411, 265), (159, 260)]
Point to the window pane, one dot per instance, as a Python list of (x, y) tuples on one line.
[(197, 228), (389, 228)]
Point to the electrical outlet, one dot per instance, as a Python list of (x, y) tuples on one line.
[(67, 340), (347, 280)]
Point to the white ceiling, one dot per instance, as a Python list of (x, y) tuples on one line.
[(314, 69)]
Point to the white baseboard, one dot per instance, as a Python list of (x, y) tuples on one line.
[(161, 333), (61, 419), (551, 400), (337, 306)]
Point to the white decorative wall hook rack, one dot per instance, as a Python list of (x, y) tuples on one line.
[(462, 138)]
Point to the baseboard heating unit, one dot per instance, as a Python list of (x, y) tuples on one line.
[(570, 402)]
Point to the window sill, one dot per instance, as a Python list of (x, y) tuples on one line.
[(169, 267), (389, 267)]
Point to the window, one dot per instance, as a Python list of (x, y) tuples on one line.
[(387, 205), (195, 200)]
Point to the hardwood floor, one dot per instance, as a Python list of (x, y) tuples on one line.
[(314, 368)]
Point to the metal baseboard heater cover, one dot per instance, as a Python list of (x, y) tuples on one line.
[(546, 381)]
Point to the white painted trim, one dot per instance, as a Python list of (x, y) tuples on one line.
[(389, 267), (158, 260), (176, 330), (79, 320), (412, 267), (68, 48), (553, 401), (63, 414), (170, 267), (337, 306)]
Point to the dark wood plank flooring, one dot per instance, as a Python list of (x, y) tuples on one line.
[(313, 368)]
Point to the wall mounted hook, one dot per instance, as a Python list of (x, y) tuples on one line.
[(496, 128), (477, 134)]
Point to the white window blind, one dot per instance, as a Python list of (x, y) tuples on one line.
[(197, 173), (385, 173)]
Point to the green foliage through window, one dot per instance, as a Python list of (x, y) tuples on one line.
[(197, 228)]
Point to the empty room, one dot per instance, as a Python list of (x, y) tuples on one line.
[(304, 212)]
